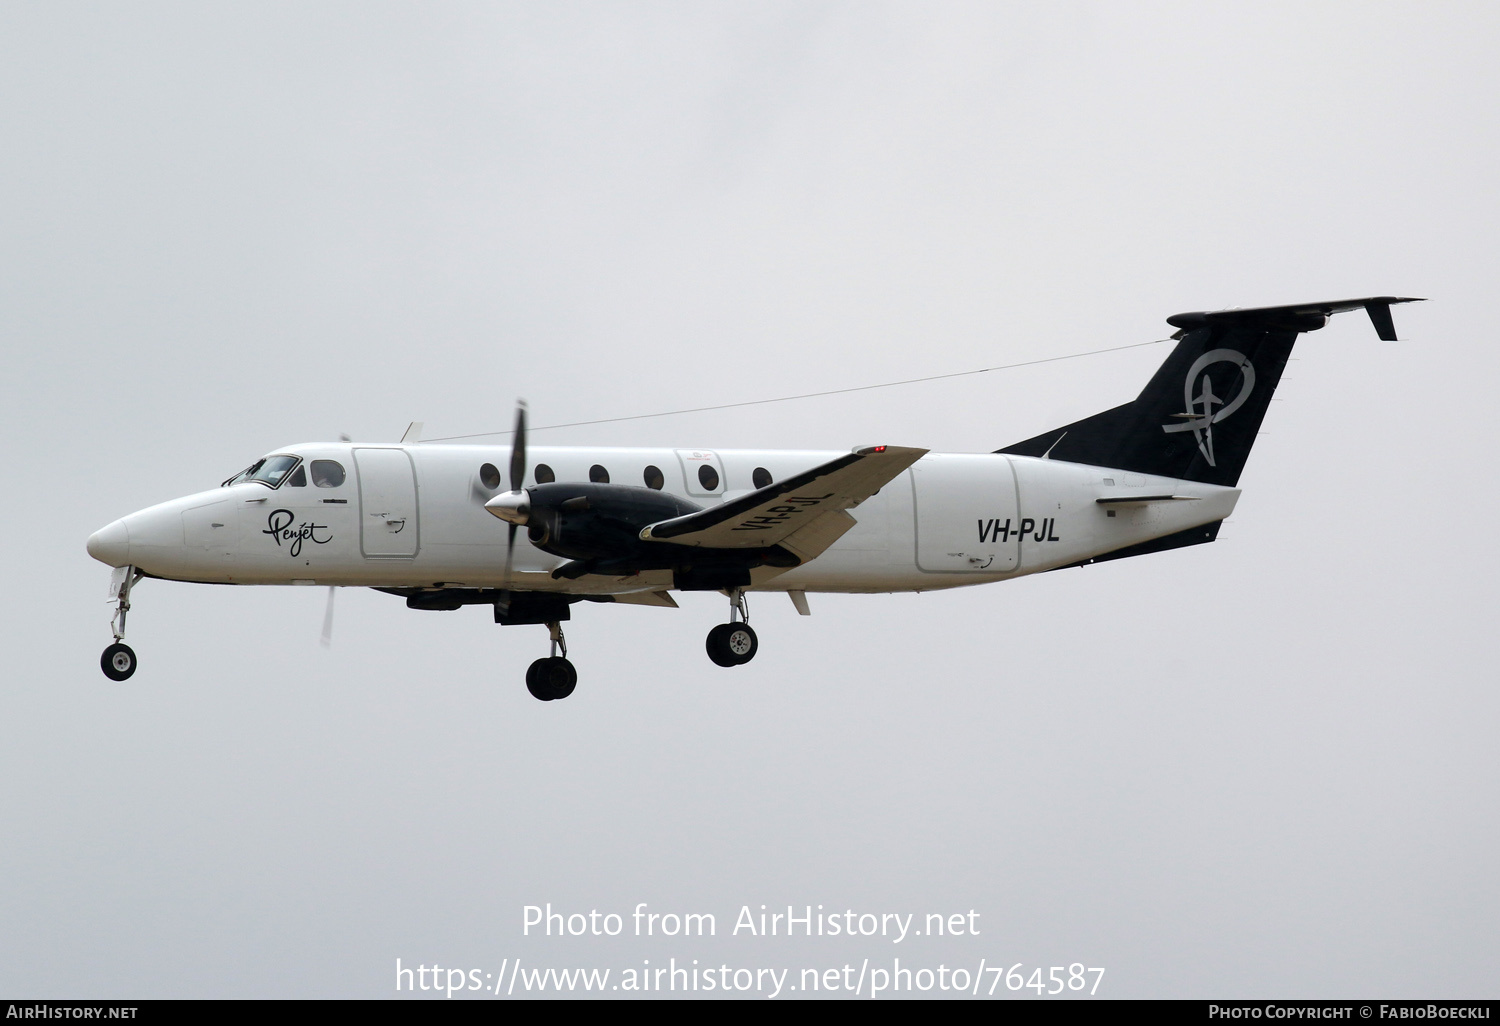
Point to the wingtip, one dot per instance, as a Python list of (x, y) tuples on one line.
[(872, 450)]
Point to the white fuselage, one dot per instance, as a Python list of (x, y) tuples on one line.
[(413, 516)]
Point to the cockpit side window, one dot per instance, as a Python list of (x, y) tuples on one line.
[(327, 473), (298, 478), (243, 475), (270, 471)]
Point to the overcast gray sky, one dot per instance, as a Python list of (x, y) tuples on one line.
[(1263, 767)]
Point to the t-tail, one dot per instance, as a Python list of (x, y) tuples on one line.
[(1198, 417)]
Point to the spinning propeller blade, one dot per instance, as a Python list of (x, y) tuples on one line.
[(517, 479), (518, 449), (328, 620), (327, 639)]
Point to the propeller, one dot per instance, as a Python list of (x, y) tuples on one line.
[(513, 506), (594, 524), (327, 639), (517, 474)]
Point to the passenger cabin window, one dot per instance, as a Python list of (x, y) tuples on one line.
[(653, 478), (708, 477), (544, 474), (298, 478), (489, 475), (327, 473), (598, 474), (761, 477)]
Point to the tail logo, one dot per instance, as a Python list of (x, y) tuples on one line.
[(1201, 416)]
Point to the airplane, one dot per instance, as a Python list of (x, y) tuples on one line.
[(422, 521)]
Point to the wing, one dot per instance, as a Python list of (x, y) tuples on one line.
[(806, 510)]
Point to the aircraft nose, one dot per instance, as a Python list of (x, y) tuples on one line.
[(111, 544)]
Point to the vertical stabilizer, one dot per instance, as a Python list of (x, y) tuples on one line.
[(1198, 416)]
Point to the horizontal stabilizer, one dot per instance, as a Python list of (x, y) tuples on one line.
[(1199, 535), (1143, 500), (1302, 317)]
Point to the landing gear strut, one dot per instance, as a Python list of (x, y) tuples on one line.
[(118, 661), (554, 677), (733, 643)]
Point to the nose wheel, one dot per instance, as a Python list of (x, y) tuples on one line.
[(733, 643), (553, 677), (118, 661)]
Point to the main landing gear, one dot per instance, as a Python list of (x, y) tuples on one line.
[(733, 643), (118, 661), (554, 677)]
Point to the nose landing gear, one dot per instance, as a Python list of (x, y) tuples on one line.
[(734, 643), (118, 661), (554, 677)]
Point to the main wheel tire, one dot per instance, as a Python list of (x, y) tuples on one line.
[(732, 644), (551, 678), (718, 645), (535, 682), (118, 662)]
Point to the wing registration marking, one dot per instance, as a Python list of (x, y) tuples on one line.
[(775, 516)]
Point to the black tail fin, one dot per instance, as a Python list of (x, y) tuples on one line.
[(1198, 417)]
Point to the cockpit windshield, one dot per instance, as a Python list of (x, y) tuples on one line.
[(270, 471)]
